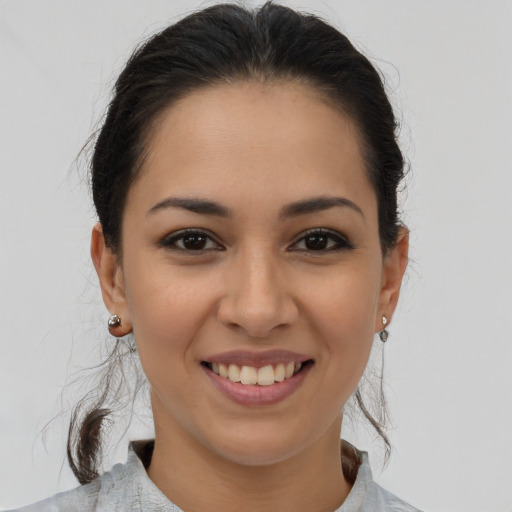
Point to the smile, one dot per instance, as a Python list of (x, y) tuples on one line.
[(257, 378), (251, 375)]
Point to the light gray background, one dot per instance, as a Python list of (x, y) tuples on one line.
[(449, 357)]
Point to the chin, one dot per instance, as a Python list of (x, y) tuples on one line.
[(258, 448)]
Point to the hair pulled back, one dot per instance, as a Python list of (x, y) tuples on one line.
[(227, 43)]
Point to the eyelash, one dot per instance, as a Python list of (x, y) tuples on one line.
[(169, 242), (340, 242)]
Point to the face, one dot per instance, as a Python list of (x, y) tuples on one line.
[(250, 251)]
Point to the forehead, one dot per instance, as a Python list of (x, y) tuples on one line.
[(253, 138)]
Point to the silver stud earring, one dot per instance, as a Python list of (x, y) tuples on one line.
[(384, 334), (113, 321)]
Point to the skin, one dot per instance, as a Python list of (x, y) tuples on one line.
[(253, 148)]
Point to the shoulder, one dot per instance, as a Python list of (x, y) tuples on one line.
[(125, 487), (368, 496), (104, 492), (84, 498), (382, 500)]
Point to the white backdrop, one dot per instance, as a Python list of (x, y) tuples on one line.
[(449, 357)]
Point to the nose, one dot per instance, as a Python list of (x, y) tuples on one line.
[(258, 299)]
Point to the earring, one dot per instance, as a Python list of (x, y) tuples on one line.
[(113, 322), (384, 334)]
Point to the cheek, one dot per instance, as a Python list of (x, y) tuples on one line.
[(167, 308), (345, 303), (343, 321)]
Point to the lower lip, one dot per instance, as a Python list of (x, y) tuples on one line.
[(258, 395)]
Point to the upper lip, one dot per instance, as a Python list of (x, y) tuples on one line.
[(257, 359)]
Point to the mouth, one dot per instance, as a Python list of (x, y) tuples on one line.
[(267, 375), (257, 378)]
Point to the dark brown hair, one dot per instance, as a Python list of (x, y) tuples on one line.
[(227, 43)]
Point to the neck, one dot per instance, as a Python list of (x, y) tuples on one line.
[(197, 479)]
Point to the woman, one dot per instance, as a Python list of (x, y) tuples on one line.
[(245, 181)]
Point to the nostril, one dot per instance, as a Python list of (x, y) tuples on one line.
[(255, 310)]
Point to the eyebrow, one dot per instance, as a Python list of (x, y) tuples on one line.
[(317, 204), (201, 206), (295, 209)]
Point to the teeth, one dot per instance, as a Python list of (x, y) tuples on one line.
[(223, 370), (234, 373), (279, 373), (249, 375), (266, 376)]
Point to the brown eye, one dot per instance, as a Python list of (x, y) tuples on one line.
[(190, 241), (194, 242), (322, 240), (316, 242)]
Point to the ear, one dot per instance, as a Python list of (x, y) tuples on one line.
[(110, 274), (394, 265)]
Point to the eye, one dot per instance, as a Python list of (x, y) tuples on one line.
[(319, 240), (190, 240)]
